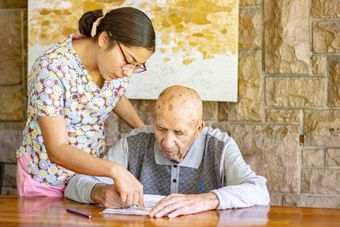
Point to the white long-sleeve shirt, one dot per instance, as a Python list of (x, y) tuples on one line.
[(240, 186)]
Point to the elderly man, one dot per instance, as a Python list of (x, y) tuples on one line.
[(178, 154)]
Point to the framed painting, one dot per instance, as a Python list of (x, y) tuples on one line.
[(196, 46)]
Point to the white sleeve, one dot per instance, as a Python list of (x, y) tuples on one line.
[(242, 187), (119, 153), (80, 186)]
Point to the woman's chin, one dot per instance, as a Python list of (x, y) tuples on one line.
[(112, 77)]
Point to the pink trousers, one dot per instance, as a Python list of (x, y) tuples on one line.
[(28, 187)]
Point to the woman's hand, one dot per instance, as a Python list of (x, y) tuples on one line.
[(61, 152), (129, 188)]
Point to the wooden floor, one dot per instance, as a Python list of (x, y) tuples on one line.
[(45, 211)]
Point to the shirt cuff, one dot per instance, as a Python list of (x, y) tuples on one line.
[(222, 203), (88, 189)]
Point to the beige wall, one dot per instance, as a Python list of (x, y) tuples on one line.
[(289, 74)]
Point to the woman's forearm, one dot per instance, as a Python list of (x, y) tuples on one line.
[(127, 113), (78, 161)]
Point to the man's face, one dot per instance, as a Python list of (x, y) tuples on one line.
[(175, 134)]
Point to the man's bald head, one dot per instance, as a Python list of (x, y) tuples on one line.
[(177, 121), (180, 101)]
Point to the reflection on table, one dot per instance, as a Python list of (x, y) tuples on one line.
[(49, 211)]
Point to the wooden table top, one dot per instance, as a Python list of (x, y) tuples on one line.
[(41, 211)]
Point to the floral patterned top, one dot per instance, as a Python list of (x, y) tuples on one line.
[(59, 85)]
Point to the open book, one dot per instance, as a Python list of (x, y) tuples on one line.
[(149, 202)]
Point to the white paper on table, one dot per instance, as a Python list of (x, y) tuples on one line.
[(149, 202)]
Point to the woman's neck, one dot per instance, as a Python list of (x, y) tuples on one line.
[(86, 50)]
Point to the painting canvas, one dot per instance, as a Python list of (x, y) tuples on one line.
[(196, 46)]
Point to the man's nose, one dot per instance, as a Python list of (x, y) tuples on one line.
[(168, 140)]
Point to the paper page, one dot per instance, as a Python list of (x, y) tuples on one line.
[(149, 201)]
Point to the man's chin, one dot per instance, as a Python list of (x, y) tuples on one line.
[(169, 155)]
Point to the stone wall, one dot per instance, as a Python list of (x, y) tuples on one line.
[(286, 121), (13, 73)]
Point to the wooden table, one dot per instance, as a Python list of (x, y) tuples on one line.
[(52, 211)]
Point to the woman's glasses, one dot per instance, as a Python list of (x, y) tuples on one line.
[(129, 66)]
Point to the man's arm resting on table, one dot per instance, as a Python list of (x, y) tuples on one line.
[(249, 193), (107, 196), (242, 187), (80, 187)]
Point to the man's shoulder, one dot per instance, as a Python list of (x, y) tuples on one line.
[(216, 133), (218, 141), (147, 129)]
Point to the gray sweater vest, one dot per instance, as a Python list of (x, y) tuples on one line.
[(156, 179)]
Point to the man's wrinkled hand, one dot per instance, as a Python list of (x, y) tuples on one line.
[(179, 204), (107, 196)]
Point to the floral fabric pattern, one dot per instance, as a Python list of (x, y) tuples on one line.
[(59, 85)]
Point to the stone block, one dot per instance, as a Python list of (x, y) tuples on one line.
[(322, 128), (286, 116), (10, 140), (313, 158), (326, 8), (25, 47), (248, 107), (10, 175), (250, 2), (250, 28), (210, 111), (333, 157), (286, 36), (295, 91), (326, 37), (320, 181), (12, 103), (319, 64), (272, 151), (276, 199), (11, 47), (9, 191), (144, 109), (333, 81), (13, 3), (311, 201)]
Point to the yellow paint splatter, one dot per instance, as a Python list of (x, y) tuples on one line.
[(207, 26), (92, 5), (187, 61), (56, 21), (163, 50)]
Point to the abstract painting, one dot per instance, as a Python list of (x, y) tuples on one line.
[(196, 46)]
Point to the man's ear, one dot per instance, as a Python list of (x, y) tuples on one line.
[(200, 127), (104, 40)]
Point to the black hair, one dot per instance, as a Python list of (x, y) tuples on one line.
[(126, 25)]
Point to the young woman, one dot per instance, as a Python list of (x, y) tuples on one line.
[(71, 90)]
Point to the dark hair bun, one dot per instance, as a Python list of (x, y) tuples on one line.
[(86, 21)]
